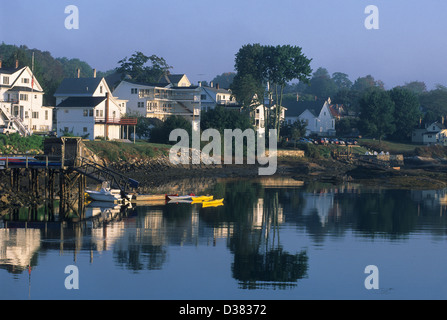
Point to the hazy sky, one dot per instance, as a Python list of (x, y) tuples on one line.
[(201, 37)]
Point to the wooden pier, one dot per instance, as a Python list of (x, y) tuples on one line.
[(60, 174)]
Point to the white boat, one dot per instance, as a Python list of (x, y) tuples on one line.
[(179, 198), (107, 194), (179, 201)]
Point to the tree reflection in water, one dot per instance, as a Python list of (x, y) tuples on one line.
[(259, 259)]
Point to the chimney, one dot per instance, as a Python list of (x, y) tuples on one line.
[(94, 73), (79, 73), (17, 63), (200, 82), (217, 86), (0, 64), (211, 84)]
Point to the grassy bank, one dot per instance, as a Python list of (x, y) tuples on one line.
[(121, 151)]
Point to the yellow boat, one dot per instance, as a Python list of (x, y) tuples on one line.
[(196, 199), (213, 203)]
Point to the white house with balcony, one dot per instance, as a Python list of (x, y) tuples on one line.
[(161, 100), (21, 102), (85, 107), (213, 96)]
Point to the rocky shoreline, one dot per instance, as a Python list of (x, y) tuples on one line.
[(159, 175), (415, 174)]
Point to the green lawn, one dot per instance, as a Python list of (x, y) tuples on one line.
[(388, 146), (114, 151)]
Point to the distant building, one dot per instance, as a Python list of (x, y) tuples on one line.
[(21, 102), (434, 133), (320, 117), (213, 96), (174, 95), (85, 107)]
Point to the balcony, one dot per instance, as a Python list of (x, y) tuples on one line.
[(121, 121)]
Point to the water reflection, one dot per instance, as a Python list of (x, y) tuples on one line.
[(250, 225)]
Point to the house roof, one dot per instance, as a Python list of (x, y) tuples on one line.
[(296, 108), (147, 84), (84, 102), (217, 90), (18, 88), (9, 70), (71, 86), (334, 112), (172, 78)]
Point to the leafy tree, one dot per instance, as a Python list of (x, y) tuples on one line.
[(224, 80), (377, 114), (295, 131), (417, 87), (341, 80), (160, 133), (364, 83), (406, 112), (346, 126), (137, 69), (221, 118), (248, 91), (283, 64), (272, 67), (435, 104), (321, 84)]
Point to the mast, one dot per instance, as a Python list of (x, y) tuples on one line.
[(30, 115)]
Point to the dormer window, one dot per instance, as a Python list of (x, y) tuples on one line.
[(5, 80)]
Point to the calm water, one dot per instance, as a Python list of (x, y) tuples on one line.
[(267, 242)]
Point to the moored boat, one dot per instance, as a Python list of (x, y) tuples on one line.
[(213, 203), (107, 194)]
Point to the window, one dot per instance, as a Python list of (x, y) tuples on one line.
[(26, 114), (66, 111), (85, 112), (85, 129), (5, 80), (65, 129), (23, 97), (35, 115), (140, 104), (25, 80), (134, 91), (46, 114), (100, 91), (203, 97), (90, 113)]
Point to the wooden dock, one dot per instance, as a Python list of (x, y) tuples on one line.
[(60, 173)]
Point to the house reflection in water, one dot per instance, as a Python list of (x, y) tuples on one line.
[(17, 248)]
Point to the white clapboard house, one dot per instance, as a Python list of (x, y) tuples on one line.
[(173, 95), (21, 102), (320, 117), (85, 107)]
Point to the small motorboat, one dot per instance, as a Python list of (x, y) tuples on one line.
[(213, 203), (179, 201), (202, 198), (177, 197), (107, 194)]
